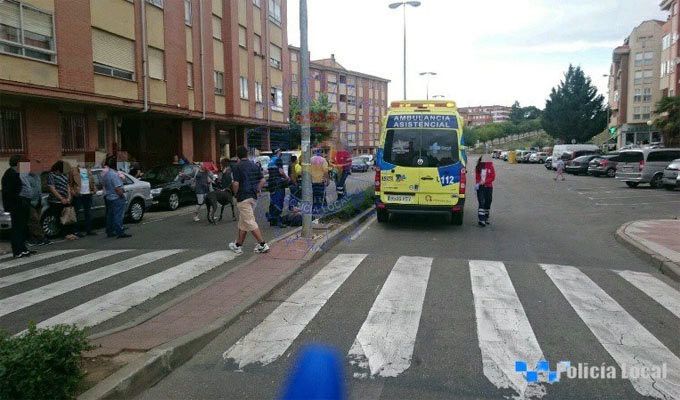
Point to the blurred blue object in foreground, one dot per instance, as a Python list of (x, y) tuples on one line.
[(316, 374)]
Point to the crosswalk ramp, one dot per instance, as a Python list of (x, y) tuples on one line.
[(511, 309), (87, 288)]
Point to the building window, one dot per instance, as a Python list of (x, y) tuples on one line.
[(638, 95), (275, 10), (217, 27), (275, 56), (102, 134), (276, 95), (638, 78), (113, 55), (636, 113), (157, 3), (351, 100), (257, 44), (219, 82), (244, 87), (647, 95), (256, 3), (648, 74), (343, 98), (11, 131), (258, 92), (343, 79), (25, 31), (242, 37), (190, 75), (666, 42), (649, 58), (646, 112), (188, 12), (73, 132), (293, 78), (293, 57), (156, 63)]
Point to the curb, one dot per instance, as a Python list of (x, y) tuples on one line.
[(664, 265), (155, 364)]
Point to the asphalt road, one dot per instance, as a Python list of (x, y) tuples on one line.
[(412, 315), (51, 285)]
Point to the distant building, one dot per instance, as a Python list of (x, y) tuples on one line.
[(634, 84), (358, 99), (484, 115), (670, 82)]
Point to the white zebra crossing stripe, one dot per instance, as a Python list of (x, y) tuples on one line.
[(626, 340), (35, 296), (56, 267), (654, 288), (273, 336), (384, 344), (503, 330), (117, 302), (35, 257)]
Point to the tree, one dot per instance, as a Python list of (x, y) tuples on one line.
[(322, 120), (668, 120), (574, 109), (516, 113), (470, 136), (531, 112)]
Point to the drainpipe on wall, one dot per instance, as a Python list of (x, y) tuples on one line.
[(145, 60), (200, 13)]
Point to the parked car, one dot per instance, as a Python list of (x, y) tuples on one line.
[(538, 157), (604, 165), (646, 165), (579, 165), (504, 156), (369, 159), (574, 150), (171, 185), (359, 164), (548, 163), (671, 175), (519, 155), (496, 153)]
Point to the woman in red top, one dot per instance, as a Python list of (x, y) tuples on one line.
[(484, 177)]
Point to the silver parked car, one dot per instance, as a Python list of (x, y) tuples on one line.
[(646, 165), (671, 175), (137, 194)]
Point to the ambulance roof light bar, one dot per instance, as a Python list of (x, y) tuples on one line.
[(423, 104)]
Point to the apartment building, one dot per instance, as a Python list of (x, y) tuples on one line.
[(484, 115), (359, 100), (670, 81), (145, 79), (634, 84)]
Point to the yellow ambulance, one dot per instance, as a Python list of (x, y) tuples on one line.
[(420, 164)]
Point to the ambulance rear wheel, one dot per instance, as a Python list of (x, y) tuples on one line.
[(382, 215), (457, 218)]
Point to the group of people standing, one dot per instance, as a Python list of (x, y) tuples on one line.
[(70, 191)]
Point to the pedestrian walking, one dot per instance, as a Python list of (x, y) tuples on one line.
[(278, 180), (202, 182), (342, 162), (485, 174), (295, 174), (15, 202), (559, 167), (116, 202), (248, 182), (224, 178), (81, 184), (320, 180), (36, 234), (60, 198)]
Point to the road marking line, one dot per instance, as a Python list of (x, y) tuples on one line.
[(361, 230), (35, 296), (273, 336), (34, 258), (117, 302), (659, 291), (56, 267), (624, 338), (503, 329), (384, 344), (634, 204), (659, 195)]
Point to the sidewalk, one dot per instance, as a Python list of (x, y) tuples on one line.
[(657, 239), (129, 360)]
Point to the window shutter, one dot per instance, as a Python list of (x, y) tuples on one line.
[(37, 22), (113, 50), (9, 14), (156, 63)]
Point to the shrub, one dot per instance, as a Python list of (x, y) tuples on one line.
[(42, 363)]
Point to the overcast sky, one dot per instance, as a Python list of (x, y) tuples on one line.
[(484, 52)]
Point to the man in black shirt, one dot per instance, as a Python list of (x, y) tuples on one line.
[(248, 182), (17, 206)]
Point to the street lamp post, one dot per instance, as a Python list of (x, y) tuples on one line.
[(395, 6), (427, 84), (306, 134)]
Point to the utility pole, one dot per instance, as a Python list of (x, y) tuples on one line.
[(306, 135), (395, 6)]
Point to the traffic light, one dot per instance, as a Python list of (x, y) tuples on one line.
[(612, 131)]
